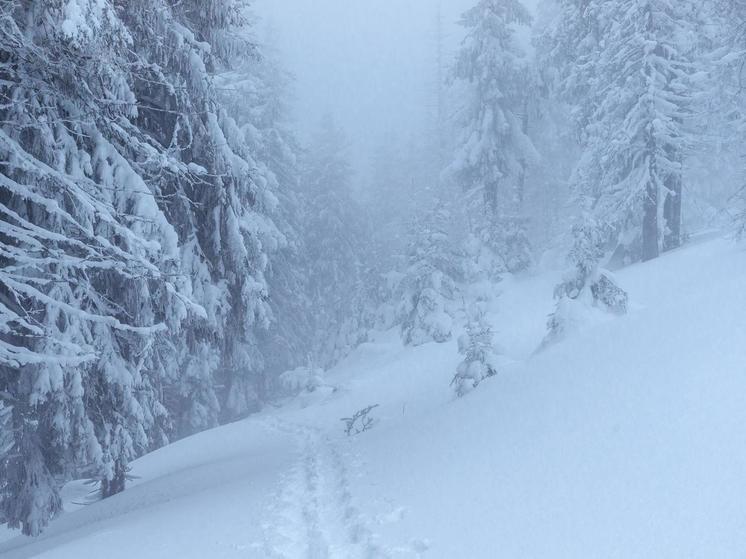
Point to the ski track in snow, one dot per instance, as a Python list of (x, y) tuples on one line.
[(314, 517)]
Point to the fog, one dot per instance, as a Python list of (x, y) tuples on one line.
[(515, 253), (372, 64)]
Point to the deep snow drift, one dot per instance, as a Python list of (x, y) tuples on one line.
[(627, 439)]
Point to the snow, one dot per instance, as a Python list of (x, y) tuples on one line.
[(626, 439), (79, 15)]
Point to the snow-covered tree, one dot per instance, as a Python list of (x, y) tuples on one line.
[(259, 95), (83, 241), (587, 285), (172, 85), (391, 198), (214, 194), (429, 288), (476, 346), (335, 234), (627, 68), (134, 239), (495, 151), (725, 112), (6, 445)]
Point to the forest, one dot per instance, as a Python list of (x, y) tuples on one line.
[(182, 253)]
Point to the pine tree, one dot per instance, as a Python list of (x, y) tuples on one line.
[(221, 206), (629, 75), (134, 240), (476, 346), (430, 284), (78, 224), (334, 235), (257, 94), (726, 116), (391, 199), (495, 150), (173, 90)]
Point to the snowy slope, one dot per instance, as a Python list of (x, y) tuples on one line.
[(628, 439)]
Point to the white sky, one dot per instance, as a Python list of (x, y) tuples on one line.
[(369, 62)]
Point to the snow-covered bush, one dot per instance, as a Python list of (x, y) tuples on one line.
[(505, 241), (515, 248), (360, 421), (387, 299), (587, 286), (607, 294), (302, 379), (427, 319), (476, 346)]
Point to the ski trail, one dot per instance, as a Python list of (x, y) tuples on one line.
[(314, 516)]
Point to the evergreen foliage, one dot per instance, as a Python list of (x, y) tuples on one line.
[(430, 284), (587, 284), (494, 150), (476, 346), (626, 69)]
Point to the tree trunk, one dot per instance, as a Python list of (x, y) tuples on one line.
[(650, 248), (110, 487), (650, 224), (524, 164), (672, 213), (491, 198)]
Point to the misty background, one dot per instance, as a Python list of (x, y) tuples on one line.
[(371, 64), (491, 230)]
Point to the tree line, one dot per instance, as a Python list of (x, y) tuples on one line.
[(157, 266), (168, 247)]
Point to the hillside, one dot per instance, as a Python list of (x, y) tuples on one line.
[(627, 439)]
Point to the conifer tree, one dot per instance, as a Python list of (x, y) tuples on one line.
[(134, 240), (587, 283), (429, 288), (476, 346), (217, 198), (728, 20), (334, 236), (258, 95), (628, 74), (78, 225), (494, 149)]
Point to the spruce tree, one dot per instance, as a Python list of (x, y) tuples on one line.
[(214, 194), (476, 346), (628, 74), (334, 240), (258, 94), (135, 236), (435, 267), (725, 92), (495, 151), (78, 225)]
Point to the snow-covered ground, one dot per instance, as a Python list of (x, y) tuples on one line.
[(627, 439)]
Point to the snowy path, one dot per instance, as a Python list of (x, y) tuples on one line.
[(266, 488), (315, 518)]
